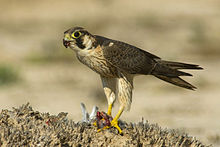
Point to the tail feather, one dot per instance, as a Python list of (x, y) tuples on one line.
[(161, 69), (179, 65), (176, 81), (168, 71)]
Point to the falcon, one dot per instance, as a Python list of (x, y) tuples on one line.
[(118, 63)]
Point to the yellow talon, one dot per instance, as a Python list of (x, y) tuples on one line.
[(114, 123), (109, 109), (95, 124), (99, 130), (106, 127)]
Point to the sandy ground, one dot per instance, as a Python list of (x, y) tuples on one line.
[(181, 31)]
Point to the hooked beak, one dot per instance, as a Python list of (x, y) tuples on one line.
[(66, 43)]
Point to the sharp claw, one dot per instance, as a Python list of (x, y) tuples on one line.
[(95, 124), (99, 130), (104, 121), (114, 123), (106, 127)]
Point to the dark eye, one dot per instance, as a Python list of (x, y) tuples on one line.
[(76, 34)]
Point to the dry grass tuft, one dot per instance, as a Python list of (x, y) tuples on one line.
[(25, 127)]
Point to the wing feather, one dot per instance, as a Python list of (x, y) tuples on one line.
[(127, 57)]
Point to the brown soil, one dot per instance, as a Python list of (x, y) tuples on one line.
[(25, 127)]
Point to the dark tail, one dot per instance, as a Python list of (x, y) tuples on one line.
[(168, 71)]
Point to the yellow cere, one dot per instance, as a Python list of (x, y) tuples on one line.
[(68, 37)]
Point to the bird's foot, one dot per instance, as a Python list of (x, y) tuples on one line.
[(105, 127), (109, 110), (105, 121), (102, 120), (114, 123)]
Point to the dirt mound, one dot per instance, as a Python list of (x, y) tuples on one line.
[(25, 127)]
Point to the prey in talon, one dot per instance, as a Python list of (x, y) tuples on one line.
[(103, 120), (117, 63)]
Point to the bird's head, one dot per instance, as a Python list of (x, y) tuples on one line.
[(78, 39)]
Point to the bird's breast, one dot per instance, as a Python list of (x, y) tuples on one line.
[(99, 64)]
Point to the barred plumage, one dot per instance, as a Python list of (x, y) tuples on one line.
[(117, 63), (99, 65)]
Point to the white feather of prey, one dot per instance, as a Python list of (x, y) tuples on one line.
[(88, 118)]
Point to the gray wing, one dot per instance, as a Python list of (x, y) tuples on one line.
[(127, 57)]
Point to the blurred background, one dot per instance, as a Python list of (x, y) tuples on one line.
[(36, 68)]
